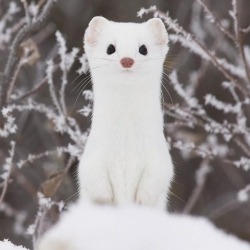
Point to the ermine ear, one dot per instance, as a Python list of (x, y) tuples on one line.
[(158, 28), (94, 29)]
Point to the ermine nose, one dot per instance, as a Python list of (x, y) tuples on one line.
[(127, 62)]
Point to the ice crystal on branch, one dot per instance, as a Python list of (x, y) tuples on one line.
[(9, 126), (84, 65), (243, 194), (8, 163)]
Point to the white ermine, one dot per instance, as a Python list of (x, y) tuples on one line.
[(126, 158)]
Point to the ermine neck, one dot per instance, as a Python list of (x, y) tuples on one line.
[(117, 102)]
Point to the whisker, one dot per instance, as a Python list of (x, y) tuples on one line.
[(76, 193), (168, 93), (164, 75), (79, 84), (172, 56), (169, 69), (176, 196), (76, 78), (103, 59), (88, 76), (150, 59), (85, 73), (168, 63), (97, 67), (163, 101), (172, 64), (81, 92)]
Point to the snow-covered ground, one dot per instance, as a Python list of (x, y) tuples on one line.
[(107, 228), (7, 245)]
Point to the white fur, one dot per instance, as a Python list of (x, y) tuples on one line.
[(87, 227), (126, 158)]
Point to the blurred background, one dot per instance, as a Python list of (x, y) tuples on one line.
[(211, 164)]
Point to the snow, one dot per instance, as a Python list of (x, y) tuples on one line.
[(97, 227), (243, 194), (8, 163), (67, 59), (219, 105), (191, 101), (243, 162), (9, 126), (5, 32), (7, 245), (13, 8), (84, 65)]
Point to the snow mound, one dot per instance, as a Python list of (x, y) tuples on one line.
[(7, 245), (94, 227)]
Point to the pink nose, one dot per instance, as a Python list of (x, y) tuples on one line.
[(127, 62)]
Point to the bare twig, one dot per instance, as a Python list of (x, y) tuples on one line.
[(24, 182), (62, 92), (17, 26), (5, 186), (37, 87), (13, 80), (215, 20), (241, 144), (8, 165), (43, 222), (25, 5), (32, 91), (226, 205), (239, 38), (49, 73), (201, 176)]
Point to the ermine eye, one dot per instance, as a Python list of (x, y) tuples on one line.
[(143, 50), (111, 49)]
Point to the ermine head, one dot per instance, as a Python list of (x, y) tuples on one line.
[(125, 50)]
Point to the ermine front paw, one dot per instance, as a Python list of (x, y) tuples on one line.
[(53, 244), (98, 192), (152, 192), (151, 200)]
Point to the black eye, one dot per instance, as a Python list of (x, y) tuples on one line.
[(143, 50), (111, 49)]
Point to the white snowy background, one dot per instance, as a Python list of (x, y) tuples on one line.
[(46, 101)]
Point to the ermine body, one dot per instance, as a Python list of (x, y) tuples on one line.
[(126, 158), (134, 228)]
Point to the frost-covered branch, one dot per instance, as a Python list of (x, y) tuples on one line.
[(7, 170), (34, 87), (67, 60), (213, 19), (240, 38), (14, 58), (41, 223), (200, 177), (224, 138)]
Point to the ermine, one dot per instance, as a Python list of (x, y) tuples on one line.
[(126, 158), (87, 226)]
